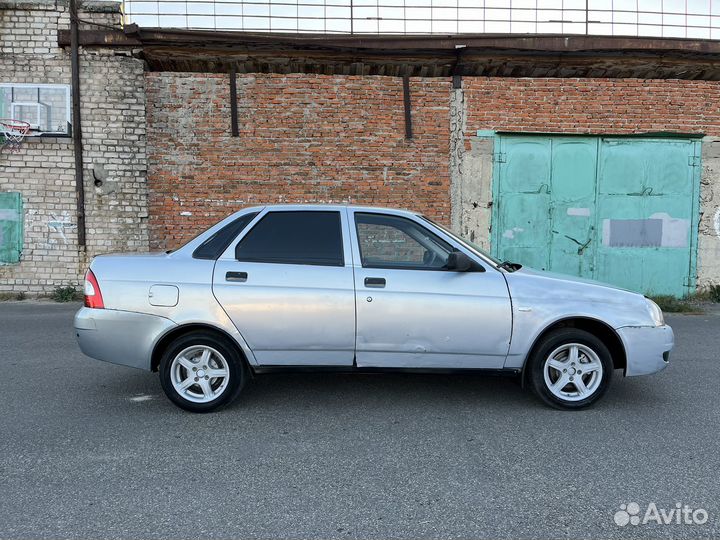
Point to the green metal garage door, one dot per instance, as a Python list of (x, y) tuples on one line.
[(620, 210)]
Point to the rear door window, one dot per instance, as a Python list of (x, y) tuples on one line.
[(294, 237), (214, 246)]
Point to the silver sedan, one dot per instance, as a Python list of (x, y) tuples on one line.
[(357, 289)]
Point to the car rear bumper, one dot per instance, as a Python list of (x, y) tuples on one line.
[(120, 337), (647, 348)]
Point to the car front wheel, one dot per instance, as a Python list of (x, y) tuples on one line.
[(570, 369), (201, 373)]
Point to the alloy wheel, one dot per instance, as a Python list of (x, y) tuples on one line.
[(573, 372), (199, 374)]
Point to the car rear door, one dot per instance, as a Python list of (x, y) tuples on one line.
[(412, 312), (287, 285)]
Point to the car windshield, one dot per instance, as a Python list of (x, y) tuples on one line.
[(467, 243)]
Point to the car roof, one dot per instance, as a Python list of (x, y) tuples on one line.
[(200, 238), (331, 207)]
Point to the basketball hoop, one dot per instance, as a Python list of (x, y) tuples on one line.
[(12, 133)]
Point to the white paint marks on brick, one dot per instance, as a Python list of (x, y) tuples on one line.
[(186, 213), (510, 233), (58, 225), (582, 212)]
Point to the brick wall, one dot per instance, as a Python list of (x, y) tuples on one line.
[(599, 106), (113, 111), (303, 138)]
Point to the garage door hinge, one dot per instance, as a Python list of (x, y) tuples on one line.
[(694, 161), (499, 157)]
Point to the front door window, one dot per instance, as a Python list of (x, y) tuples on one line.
[(396, 242)]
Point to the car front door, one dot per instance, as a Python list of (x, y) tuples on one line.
[(412, 311), (287, 285)]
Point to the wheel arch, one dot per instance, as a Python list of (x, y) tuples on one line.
[(184, 329), (598, 328)]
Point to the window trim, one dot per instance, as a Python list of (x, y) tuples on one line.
[(398, 266), (245, 232)]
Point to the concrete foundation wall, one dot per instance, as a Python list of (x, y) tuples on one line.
[(471, 174), (709, 233)]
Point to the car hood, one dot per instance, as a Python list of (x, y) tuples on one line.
[(532, 283), (526, 270)]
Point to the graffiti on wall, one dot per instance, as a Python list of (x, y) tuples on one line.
[(51, 230), (57, 228)]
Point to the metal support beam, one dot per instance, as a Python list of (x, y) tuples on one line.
[(76, 124), (457, 70), (408, 107), (233, 104), (213, 51)]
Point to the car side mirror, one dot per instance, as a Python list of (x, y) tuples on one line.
[(457, 261)]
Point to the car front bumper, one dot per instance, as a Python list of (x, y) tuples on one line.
[(647, 348), (119, 337)]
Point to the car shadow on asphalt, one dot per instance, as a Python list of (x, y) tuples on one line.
[(288, 391), (428, 390)]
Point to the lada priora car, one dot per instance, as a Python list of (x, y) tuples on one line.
[(357, 289)]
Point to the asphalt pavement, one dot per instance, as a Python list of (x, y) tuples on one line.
[(93, 450)]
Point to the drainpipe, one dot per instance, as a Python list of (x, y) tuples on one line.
[(76, 125)]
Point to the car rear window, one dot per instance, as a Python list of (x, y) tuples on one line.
[(294, 237), (213, 247)]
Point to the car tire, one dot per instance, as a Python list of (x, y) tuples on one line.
[(570, 369), (201, 372)]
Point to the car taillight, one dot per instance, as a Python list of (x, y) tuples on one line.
[(93, 296)]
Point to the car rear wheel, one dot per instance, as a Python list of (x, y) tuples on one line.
[(570, 369), (200, 372)]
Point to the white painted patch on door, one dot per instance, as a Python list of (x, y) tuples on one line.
[(9, 215), (510, 233), (582, 212), (675, 231), (659, 230)]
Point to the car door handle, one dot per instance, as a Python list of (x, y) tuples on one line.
[(377, 282), (236, 276)]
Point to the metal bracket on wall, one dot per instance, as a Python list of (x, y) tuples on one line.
[(408, 107), (499, 157), (457, 70), (233, 104)]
